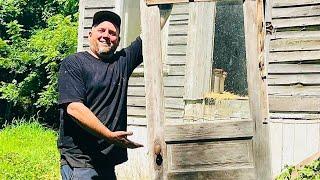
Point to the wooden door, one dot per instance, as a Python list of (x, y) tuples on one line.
[(232, 148)]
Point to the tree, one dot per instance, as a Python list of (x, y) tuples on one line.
[(35, 35)]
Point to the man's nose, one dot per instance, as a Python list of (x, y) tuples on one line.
[(106, 35)]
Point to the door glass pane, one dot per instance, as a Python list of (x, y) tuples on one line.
[(229, 96)]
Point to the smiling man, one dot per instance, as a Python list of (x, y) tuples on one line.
[(92, 103)]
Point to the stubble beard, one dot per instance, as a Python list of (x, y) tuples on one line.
[(103, 54)]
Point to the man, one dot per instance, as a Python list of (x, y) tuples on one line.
[(92, 100)]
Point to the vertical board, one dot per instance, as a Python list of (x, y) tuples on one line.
[(288, 143), (81, 25), (300, 145), (254, 36), (199, 49), (313, 138), (151, 36), (276, 147), (199, 61)]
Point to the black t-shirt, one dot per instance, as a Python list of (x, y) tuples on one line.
[(102, 87)]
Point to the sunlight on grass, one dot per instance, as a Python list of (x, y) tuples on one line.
[(28, 151)]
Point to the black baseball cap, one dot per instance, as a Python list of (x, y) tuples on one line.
[(110, 16)]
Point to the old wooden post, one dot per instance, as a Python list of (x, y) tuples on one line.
[(254, 36), (151, 33)]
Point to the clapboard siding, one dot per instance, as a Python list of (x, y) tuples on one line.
[(173, 103), (294, 68), (290, 79), (90, 4), (297, 34), (294, 90), (300, 11), (169, 81), (174, 75), (294, 56), (290, 44), (294, 82), (294, 104), (139, 91), (289, 3), (177, 45)]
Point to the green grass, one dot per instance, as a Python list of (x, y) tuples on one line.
[(28, 151)]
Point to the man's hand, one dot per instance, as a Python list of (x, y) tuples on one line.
[(86, 119), (119, 138)]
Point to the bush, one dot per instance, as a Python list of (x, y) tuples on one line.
[(30, 66), (311, 171), (28, 151)]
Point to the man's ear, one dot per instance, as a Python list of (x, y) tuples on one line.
[(90, 33)]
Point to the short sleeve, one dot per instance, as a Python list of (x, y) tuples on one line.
[(70, 83), (135, 51)]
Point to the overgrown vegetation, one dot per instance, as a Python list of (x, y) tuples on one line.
[(28, 151), (308, 172), (35, 37)]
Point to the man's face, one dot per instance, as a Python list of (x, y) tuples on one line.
[(104, 39)]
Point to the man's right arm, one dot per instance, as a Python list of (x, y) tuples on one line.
[(87, 120), (71, 95)]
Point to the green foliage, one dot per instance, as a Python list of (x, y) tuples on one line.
[(286, 173), (33, 14), (28, 151), (311, 171), (31, 65), (308, 172)]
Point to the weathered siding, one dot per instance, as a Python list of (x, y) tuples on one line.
[(294, 81), (174, 71)]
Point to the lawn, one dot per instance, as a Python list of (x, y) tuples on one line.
[(28, 151)]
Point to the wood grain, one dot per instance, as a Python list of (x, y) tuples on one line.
[(286, 3), (215, 155), (292, 79), (293, 68), (295, 56), (199, 62), (294, 104), (294, 90), (212, 130), (244, 173), (254, 38), (296, 22), (298, 11), (294, 44), (150, 18)]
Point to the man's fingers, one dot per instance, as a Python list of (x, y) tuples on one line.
[(122, 134), (126, 133), (122, 140), (133, 145)]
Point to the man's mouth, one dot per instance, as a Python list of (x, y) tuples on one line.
[(105, 43)]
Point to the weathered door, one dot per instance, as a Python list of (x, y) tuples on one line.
[(216, 145)]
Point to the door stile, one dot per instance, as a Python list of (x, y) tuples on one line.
[(254, 37)]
